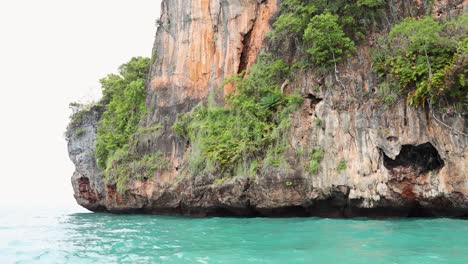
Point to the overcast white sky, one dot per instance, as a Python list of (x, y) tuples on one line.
[(53, 52)]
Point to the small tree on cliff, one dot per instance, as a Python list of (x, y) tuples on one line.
[(327, 42)]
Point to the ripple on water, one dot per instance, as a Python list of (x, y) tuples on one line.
[(105, 238)]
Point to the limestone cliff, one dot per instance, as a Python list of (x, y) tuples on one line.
[(378, 161), (86, 180)]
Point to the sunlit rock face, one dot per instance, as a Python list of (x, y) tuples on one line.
[(200, 42), (378, 161)]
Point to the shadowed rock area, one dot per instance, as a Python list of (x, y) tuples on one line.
[(415, 159)]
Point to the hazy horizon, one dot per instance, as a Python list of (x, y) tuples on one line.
[(52, 53)]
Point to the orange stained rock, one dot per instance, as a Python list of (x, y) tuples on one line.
[(198, 51)]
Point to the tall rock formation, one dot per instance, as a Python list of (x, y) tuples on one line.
[(378, 161)]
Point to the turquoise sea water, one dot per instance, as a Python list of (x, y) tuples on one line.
[(66, 237)]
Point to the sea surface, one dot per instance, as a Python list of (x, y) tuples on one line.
[(62, 236)]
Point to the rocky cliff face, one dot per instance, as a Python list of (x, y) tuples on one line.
[(378, 161), (87, 179)]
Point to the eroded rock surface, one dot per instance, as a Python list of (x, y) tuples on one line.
[(87, 179)]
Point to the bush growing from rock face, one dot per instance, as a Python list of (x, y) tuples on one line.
[(428, 58), (341, 166), (328, 43), (295, 15), (124, 165), (326, 30), (316, 157), (256, 114), (124, 100)]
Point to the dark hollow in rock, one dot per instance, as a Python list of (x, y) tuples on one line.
[(421, 159), (313, 100), (245, 50)]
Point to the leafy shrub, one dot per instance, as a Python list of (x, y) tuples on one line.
[(328, 42), (271, 101), (428, 58), (341, 166), (316, 157), (388, 93), (293, 20), (319, 122)]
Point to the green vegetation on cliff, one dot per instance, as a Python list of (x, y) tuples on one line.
[(247, 133), (324, 31), (427, 59), (123, 105), (124, 100), (118, 132), (328, 42), (125, 164), (229, 140), (423, 58), (316, 157)]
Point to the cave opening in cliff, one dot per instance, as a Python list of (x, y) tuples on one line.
[(417, 159), (244, 58), (313, 100)]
